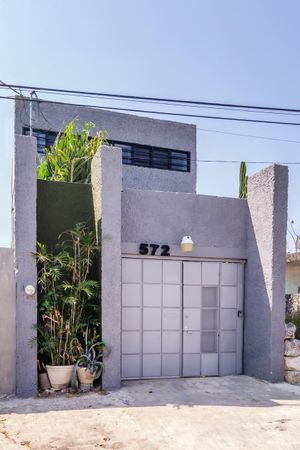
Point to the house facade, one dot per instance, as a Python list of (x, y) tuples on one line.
[(213, 311), (292, 285)]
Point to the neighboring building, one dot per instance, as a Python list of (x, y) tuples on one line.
[(217, 310), (292, 281)]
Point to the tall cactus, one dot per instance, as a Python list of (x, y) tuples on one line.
[(243, 180)]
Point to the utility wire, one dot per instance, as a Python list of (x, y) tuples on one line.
[(170, 113), (171, 104), (7, 86), (235, 161), (249, 135), (209, 130), (157, 99), (166, 113)]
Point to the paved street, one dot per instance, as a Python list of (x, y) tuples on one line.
[(197, 413)]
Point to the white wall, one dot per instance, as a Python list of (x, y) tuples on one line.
[(292, 281)]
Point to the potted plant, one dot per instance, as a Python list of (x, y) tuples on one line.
[(89, 365), (44, 383), (68, 300)]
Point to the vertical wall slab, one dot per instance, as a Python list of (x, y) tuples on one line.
[(24, 232), (8, 322), (107, 186), (265, 274)]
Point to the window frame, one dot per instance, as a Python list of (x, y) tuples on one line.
[(50, 137), (135, 148), (132, 154)]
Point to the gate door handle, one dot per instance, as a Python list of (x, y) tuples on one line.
[(186, 329)]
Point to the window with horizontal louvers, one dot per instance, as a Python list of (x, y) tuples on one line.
[(132, 154), (44, 138), (154, 157)]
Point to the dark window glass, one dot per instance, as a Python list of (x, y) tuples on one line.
[(44, 138), (126, 153), (132, 154), (141, 157), (180, 161), (154, 157), (160, 159)]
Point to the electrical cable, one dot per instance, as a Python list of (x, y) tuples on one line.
[(249, 135), (235, 161), (199, 116), (157, 99), (172, 104), (7, 86), (180, 114)]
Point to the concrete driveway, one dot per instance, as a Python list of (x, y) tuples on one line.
[(235, 412)]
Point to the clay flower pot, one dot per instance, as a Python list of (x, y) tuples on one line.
[(86, 378), (44, 382), (59, 376)]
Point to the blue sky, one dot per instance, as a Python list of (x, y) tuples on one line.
[(221, 51)]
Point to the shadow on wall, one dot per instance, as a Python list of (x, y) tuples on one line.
[(257, 323), (60, 206), (265, 274), (7, 322)]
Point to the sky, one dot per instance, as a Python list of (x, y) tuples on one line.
[(233, 51)]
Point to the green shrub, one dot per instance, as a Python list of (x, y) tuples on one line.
[(69, 158), (68, 295)]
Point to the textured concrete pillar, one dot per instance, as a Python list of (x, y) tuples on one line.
[(265, 274), (24, 232), (107, 186), (8, 322)]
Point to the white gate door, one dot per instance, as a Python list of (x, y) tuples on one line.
[(181, 318), (212, 318)]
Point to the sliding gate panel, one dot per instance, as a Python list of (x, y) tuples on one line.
[(151, 318), (200, 318), (181, 318), (231, 318)]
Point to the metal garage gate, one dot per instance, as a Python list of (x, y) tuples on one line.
[(181, 318)]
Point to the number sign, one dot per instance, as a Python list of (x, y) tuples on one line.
[(154, 249)]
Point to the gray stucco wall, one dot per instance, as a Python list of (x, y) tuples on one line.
[(124, 128), (265, 274), (7, 323), (220, 227), (216, 224), (24, 242), (107, 185)]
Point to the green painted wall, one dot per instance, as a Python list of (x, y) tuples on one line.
[(60, 206)]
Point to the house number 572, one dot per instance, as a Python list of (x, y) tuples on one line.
[(154, 249)]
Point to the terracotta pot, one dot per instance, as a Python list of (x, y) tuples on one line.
[(86, 378), (44, 382), (59, 376)]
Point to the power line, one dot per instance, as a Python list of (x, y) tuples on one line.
[(157, 99), (249, 135), (236, 161), (7, 86), (166, 113), (201, 129), (222, 161), (236, 109)]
